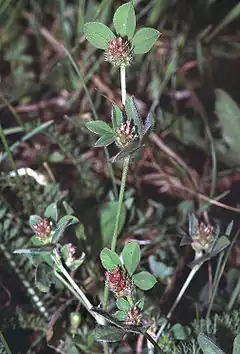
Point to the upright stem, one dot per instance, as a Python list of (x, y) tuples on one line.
[(123, 83), (120, 201), (185, 285), (123, 183)]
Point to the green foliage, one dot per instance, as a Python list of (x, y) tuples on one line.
[(131, 257), (124, 20), (107, 221), (144, 39), (144, 280), (109, 259), (98, 34)]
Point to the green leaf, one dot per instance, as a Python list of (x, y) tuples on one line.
[(117, 117), (179, 332), (144, 280), (51, 212), (99, 127), (123, 304), (107, 221), (109, 259), (132, 114), (221, 243), (144, 40), (105, 140), (131, 256), (98, 34), (228, 112), (108, 333), (207, 346), (121, 315), (44, 277), (125, 20), (33, 220), (236, 345), (62, 224)]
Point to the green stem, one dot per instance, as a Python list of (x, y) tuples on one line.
[(182, 291), (120, 201), (123, 184), (74, 288), (123, 83), (95, 116)]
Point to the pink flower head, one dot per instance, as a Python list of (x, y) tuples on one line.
[(118, 282), (119, 52), (43, 228)]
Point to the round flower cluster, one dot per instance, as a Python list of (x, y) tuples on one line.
[(118, 282), (203, 239), (126, 133), (119, 52), (43, 229)]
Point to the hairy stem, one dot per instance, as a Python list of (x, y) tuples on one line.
[(74, 288), (123, 184)]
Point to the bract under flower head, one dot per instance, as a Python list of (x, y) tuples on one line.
[(119, 52)]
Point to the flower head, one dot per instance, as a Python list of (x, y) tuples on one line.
[(43, 229), (126, 134), (119, 52), (203, 238), (119, 282), (68, 254), (134, 316)]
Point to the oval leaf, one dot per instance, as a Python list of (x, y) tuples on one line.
[(98, 34), (107, 221), (207, 346), (144, 280), (121, 315), (125, 20), (131, 257), (144, 40), (109, 259), (108, 334), (51, 212), (99, 127), (123, 304), (44, 277), (105, 140)]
